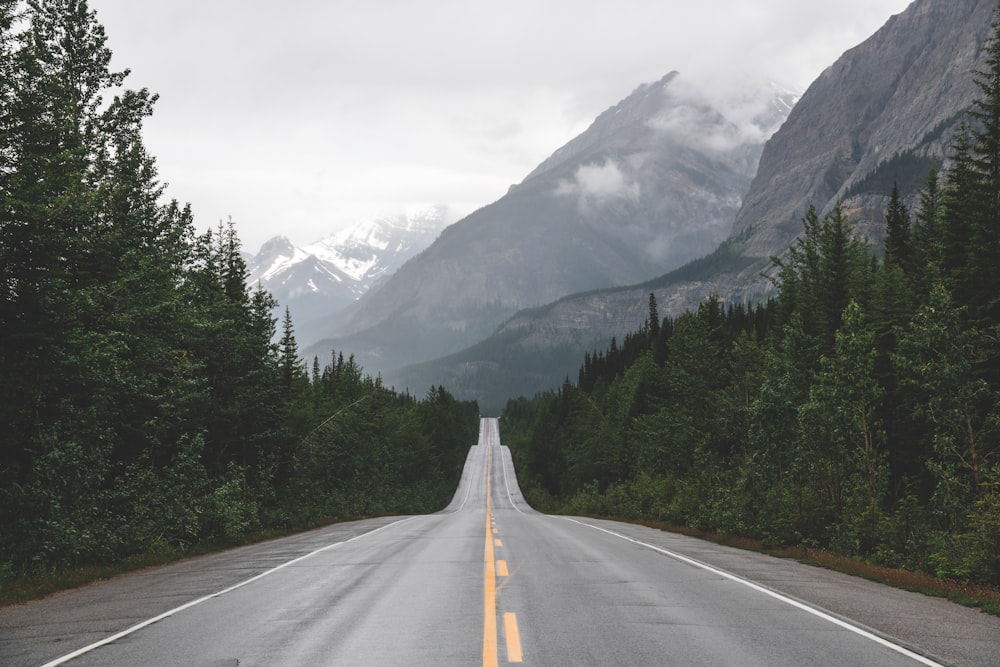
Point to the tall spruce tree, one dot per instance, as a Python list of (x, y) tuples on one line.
[(984, 254), (959, 213), (91, 317), (927, 236), (826, 268), (898, 236)]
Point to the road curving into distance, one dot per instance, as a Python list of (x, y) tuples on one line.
[(489, 581)]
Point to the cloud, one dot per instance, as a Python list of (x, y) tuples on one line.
[(595, 185), (298, 116), (720, 116)]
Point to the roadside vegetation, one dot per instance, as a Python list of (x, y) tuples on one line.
[(856, 414), (147, 411)]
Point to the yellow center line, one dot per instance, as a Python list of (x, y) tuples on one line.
[(513, 637), (502, 568), (490, 596)]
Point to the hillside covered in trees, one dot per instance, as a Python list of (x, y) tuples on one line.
[(858, 411), (143, 403)]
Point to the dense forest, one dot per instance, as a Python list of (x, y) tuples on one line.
[(148, 400), (857, 411)]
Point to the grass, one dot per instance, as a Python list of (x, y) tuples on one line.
[(35, 585)]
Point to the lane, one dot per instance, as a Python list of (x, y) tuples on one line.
[(382, 591), (490, 581), (376, 601), (601, 592), (385, 597), (592, 598)]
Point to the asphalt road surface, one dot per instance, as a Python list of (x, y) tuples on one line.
[(489, 581)]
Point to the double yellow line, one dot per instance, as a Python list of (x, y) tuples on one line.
[(511, 633)]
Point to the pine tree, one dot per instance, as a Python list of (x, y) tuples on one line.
[(653, 321), (927, 236), (825, 269), (959, 213), (291, 366), (984, 254), (92, 316), (898, 238)]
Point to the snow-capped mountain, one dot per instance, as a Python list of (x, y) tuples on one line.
[(320, 278), (652, 184)]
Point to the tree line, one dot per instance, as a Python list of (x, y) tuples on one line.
[(857, 411), (147, 400)]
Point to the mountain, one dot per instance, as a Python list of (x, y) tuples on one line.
[(536, 348), (885, 111), (318, 280), (654, 182), (890, 105)]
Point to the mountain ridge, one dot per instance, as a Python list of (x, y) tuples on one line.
[(876, 102), (821, 155), (654, 182), (328, 275)]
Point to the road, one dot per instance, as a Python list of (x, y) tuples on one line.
[(489, 581)]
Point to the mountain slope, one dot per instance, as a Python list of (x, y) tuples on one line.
[(893, 100), (535, 349), (322, 278), (654, 182), (884, 111)]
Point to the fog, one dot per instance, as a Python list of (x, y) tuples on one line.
[(304, 115)]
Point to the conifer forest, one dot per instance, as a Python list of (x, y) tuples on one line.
[(151, 402), (144, 404), (857, 411)]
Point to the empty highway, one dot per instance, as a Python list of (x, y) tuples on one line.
[(489, 581)]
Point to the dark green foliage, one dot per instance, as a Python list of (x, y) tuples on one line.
[(898, 242), (826, 267), (144, 403), (985, 157), (727, 258), (858, 412), (927, 237), (905, 170)]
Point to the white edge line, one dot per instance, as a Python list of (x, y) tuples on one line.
[(503, 467), (503, 462), (480, 441), (192, 603), (468, 490), (774, 594)]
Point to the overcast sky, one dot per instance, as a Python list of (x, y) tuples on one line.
[(302, 116)]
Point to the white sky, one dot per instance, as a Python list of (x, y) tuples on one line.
[(300, 117)]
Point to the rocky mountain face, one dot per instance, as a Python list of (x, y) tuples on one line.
[(653, 183), (890, 104), (318, 280), (885, 111)]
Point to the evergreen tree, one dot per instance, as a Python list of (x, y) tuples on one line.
[(959, 213), (984, 253), (291, 365), (825, 269), (653, 320), (841, 422), (92, 321), (928, 237), (939, 359), (897, 239)]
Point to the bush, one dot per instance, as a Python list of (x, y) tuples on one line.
[(231, 509)]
